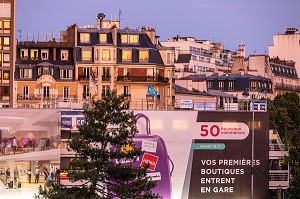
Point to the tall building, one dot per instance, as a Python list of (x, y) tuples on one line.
[(194, 56), (7, 50), (91, 60), (122, 59), (287, 47)]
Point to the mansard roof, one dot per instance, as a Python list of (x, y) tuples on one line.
[(283, 70)]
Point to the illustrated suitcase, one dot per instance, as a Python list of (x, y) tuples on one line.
[(155, 153), (19, 184), (10, 185)]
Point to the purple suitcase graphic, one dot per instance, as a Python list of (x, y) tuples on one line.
[(155, 153)]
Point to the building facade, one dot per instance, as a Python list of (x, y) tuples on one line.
[(44, 74), (194, 56), (7, 51), (126, 60), (287, 47)]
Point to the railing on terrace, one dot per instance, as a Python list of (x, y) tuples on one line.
[(202, 54), (279, 176), (142, 79), (287, 87)]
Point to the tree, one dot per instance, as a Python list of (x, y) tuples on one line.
[(100, 148), (285, 118)]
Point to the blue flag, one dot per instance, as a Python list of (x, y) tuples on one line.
[(151, 91)]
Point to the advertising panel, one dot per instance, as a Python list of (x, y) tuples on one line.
[(203, 154)]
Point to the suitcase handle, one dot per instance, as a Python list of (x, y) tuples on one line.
[(141, 115), (172, 166)]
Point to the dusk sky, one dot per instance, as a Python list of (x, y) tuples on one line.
[(232, 22)]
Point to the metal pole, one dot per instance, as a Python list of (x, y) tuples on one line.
[(252, 153)]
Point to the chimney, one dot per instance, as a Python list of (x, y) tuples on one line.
[(143, 29), (100, 18), (114, 31), (151, 34)]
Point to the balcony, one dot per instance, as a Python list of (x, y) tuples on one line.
[(142, 79), (83, 78), (287, 87), (106, 78)]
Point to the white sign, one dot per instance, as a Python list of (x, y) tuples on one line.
[(149, 146), (222, 131), (155, 176), (186, 104), (199, 106)]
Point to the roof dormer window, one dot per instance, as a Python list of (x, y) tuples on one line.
[(130, 39), (103, 38), (85, 37)]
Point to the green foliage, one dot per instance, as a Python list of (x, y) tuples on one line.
[(293, 192), (285, 119), (108, 127)]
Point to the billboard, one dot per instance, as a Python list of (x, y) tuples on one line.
[(209, 152)]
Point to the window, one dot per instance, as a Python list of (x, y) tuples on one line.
[(132, 39), (5, 10), (126, 55), (96, 54), (85, 93), (5, 90), (46, 91), (103, 38), (6, 57), (86, 55), (126, 90), (25, 91), (106, 74), (124, 38), (210, 85), (66, 92), (105, 90), (34, 54), (40, 71), (221, 85), (25, 73), (45, 54), (6, 75), (65, 74), (64, 55), (6, 41), (86, 72), (24, 54), (6, 24), (231, 85), (46, 71), (144, 56), (106, 55), (168, 58), (253, 85), (84, 37)]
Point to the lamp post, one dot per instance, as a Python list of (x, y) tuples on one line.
[(246, 94)]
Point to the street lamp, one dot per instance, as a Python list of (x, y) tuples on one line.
[(246, 94)]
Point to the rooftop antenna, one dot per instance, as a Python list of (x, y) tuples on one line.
[(120, 13), (20, 34)]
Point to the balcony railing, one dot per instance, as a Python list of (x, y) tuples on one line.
[(106, 78), (287, 87), (142, 79)]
